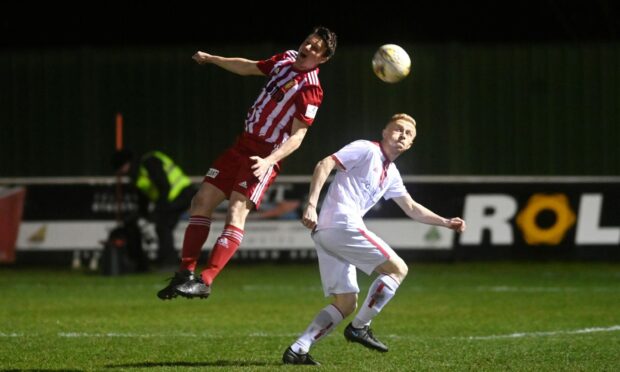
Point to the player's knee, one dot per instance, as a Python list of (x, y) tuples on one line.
[(348, 309), (352, 305), (346, 303), (199, 201), (203, 203), (238, 212), (396, 268), (401, 269)]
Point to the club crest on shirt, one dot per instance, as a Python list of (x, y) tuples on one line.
[(277, 93), (289, 85)]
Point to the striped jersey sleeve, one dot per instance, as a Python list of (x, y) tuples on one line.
[(308, 102), (267, 66)]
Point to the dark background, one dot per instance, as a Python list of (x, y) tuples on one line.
[(98, 23), (497, 87)]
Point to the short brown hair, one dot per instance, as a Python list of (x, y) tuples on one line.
[(330, 39)]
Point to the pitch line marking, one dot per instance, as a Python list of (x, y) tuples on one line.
[(12, 334), (614, 328), (153, 335), (548, 333)]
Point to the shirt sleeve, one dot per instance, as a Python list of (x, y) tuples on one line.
[(266, 65), (397, 187), (352, 155), (307, 103)]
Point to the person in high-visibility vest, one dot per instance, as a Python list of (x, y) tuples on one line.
[(162, 183)]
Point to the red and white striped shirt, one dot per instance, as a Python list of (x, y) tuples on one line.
[(288, 94)]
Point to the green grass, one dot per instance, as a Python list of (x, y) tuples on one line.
[(443, 318)]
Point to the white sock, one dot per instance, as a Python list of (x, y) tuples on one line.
[(379, 294), (326, 320)]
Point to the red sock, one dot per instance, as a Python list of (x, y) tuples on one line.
[(223, 250), (195, 236)]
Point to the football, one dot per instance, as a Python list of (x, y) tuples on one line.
[(391, 63)]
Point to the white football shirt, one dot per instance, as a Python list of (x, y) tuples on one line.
[(367, 175)]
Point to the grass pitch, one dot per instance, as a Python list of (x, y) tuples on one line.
[(445, 317)]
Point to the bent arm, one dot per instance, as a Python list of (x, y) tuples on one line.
[(420, 213), (262, 165), (298, 132), (321, 172), (239, 66)]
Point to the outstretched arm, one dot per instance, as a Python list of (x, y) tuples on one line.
[(321, 172), (261, 165), (239, 66), (422, 214)]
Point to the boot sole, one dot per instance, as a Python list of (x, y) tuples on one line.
[(166, 295), (192, 296), (367, 346)]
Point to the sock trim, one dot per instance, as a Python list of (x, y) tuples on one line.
[(390, 282), (200, 220), (334, 312), (233, 233), (337, 309)]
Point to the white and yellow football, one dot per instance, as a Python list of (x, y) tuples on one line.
[(391, 63)]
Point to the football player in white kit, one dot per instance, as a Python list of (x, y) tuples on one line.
[(365, 173)]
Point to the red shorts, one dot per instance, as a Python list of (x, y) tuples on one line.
[(232, 170)]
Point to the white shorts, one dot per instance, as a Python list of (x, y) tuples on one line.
[(340, 251)]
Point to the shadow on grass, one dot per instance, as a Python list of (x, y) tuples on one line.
[(215, 363)]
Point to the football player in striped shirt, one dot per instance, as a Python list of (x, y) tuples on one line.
[(274, 127)]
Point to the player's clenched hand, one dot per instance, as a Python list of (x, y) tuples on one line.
[(457, 224), (201, 57), (309, 218), (260, 167)]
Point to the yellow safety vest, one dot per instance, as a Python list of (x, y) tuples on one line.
[(177, 179)]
